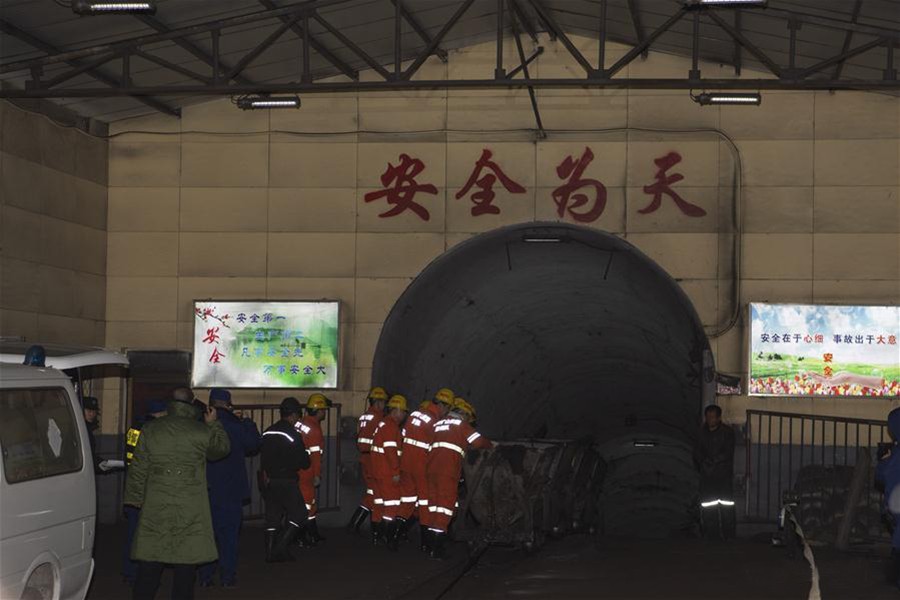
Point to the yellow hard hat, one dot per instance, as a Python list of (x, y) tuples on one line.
[(424, 404), (397, 401), (444, 396), (318, 401), (378, 393), (462, 406)]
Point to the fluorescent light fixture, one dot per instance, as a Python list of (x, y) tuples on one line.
[(707, 98), (541, 240), (263, 102), (89, 7), (726, 2), (645, 444), (717, 502)]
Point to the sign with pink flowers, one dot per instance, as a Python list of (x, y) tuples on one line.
[(824, 350)]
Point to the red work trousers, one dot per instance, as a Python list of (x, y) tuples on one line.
[(442, 494), (414, 487), (387, 500), (368, 499), (308, 490)]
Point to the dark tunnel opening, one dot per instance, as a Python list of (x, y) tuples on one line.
[(557, 331)]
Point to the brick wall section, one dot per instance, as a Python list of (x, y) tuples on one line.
[(259, 213)]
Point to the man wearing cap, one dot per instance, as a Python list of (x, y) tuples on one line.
[(229, 488), (453, 435), (167, 482), (155, 410), (310, 429), (417, 435), (283, 454), (387, 444), (368, 421)]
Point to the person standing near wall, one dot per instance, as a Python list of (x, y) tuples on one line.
[(167, 483), (310, 429), (156, 409), (368, 421), (714, 456), (887, 473), (229, 488), (90, 407), (387, 444)]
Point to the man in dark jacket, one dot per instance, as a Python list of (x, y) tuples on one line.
[(283, 454), (715, 460), (155, 410), (90, 407), (167, 482), (887, 473), (229, 488)]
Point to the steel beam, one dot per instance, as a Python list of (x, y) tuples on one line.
[(528, 61), (737, 47), (365, 56), (639, 49), (10, 29), (848, 38), (185, 44), (829, 22), (526, 22), (437, 84), (638, 26), (524, 65), (561, 35), (262, 47), (173, 67), (172, 34), (316, 44), (437, 39), (417, 27), (840, 57), (745, 43)]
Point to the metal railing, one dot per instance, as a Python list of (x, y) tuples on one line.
[(811, 457), (329, 496)]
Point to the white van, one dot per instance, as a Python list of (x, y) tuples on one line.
[(47, 494)]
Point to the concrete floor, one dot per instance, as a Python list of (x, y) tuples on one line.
[(577, 567)]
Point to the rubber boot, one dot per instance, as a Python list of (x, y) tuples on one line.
[(424, 538), (437, 545), (271, 535), (314, 534), (286, 537), (359, 517), (893, 569), (404, 528), (377, 533), (392, 535)]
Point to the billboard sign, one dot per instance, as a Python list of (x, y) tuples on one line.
[(266, 344), (824, 350)]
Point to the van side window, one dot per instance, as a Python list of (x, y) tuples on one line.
[(38, 434)]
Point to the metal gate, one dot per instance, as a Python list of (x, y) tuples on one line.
[(264, 415), (811, 457)]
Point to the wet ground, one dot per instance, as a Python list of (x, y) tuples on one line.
[(346, 566)]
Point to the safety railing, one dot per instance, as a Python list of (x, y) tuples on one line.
[(810, 458), (265, 415)]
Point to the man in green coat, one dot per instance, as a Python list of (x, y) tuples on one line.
[(167, 481)]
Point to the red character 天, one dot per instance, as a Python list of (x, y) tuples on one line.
[(216, 356), (573, 170), (485, 197), (212, 336), (403, 188), (663, 186)]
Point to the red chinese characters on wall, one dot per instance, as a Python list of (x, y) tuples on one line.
[(484, 198), (401, 187), (580, 197)]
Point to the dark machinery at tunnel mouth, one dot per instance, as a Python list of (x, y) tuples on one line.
[(575, 346)]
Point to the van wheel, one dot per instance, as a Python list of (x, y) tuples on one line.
[(41, 584)]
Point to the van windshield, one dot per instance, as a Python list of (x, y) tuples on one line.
[(38, 434)]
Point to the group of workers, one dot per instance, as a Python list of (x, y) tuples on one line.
[(411, 463)]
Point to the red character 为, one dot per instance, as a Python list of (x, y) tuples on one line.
[(564, 194), (485, 197), (404, 187), (663, 186)]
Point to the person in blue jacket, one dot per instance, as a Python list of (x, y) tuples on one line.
[(229, 488), (887, 473)]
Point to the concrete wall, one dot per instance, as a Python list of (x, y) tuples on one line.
[(225, 204), (53, 215)]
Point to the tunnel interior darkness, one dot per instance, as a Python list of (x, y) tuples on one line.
[(558, 331)]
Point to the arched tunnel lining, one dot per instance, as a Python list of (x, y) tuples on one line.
[(554, 331)]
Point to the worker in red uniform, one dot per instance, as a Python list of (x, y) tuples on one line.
[(368, 421), (384, 461), (310, 428), (453, 435), (417, 434)]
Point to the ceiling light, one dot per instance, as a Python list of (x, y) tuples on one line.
[(725, 2), (541, 240), (644, 444), (263, 102), (89, 7), (707, 98)]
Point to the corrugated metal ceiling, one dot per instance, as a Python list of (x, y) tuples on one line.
[(369, 23)]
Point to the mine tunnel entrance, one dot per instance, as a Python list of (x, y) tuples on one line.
[(558, 331)]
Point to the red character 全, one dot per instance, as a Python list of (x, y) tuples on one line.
[(663, 186), (402, 178), (216, 356), (573, 170), (212, 336), (483, 198)]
